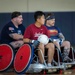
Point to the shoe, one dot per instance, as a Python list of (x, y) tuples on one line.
[(49, 65)]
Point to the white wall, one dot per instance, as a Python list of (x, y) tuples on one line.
[(52, 5), (34, 5), (13, 5)]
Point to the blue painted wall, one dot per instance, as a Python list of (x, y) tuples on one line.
[(64, 20)]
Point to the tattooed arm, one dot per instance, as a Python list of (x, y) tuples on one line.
[(61, 36), (16, 36)]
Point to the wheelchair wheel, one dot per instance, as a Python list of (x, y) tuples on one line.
[(6, 57), (23, 58)]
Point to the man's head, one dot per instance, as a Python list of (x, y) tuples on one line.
[(39, 17), (17, 17), (50, 19)]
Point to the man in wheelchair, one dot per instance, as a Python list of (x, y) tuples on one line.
[(57, 37), (12, 32), (32, 33)]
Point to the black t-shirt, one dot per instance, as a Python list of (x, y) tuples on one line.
[(9, 29)]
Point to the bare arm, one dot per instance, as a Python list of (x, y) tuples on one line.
[(16, 36), (26, 40)]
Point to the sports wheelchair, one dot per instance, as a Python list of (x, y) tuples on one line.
[(25, 60)]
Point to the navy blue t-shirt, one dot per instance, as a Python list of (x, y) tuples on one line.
[(9, 29), (53, 32)]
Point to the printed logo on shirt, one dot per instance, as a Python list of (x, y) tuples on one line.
[(37, 34), (53, 32), (11, 28), (19, 32)]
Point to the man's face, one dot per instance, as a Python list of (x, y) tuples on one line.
[(19, 20), (41, 20), (51, 22)]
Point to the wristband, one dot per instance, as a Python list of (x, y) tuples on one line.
[(32, 41)]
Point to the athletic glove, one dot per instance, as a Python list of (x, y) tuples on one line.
[(35, 43)]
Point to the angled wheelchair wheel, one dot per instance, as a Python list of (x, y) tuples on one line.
[(6, 57), (23, 58)]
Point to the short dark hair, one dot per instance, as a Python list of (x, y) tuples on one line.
[(38, 14), (15, 14)]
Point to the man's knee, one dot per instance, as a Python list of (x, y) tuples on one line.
[(66, 42), (56, 43), (50, 45)]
